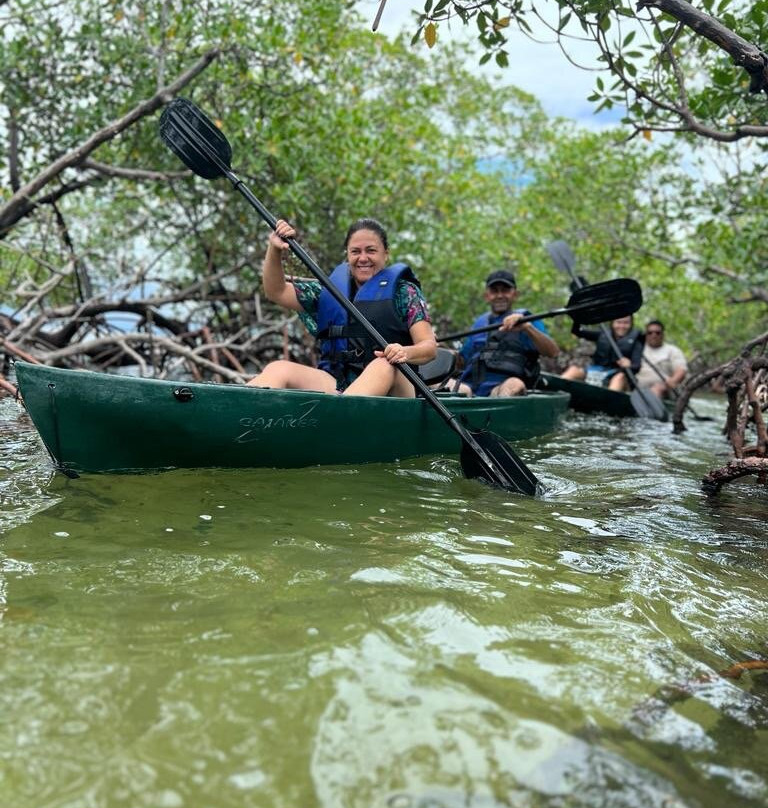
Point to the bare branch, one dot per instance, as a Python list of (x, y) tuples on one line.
[(756, 293), (133, 173), (124, 340), (19, 204)]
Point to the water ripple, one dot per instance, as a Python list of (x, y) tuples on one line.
[(387, 636)]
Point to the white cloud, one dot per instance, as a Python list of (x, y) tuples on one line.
[(539, 68)]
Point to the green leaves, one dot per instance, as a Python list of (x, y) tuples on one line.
[(330, 122)]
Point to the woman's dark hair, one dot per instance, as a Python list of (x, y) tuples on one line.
[(367, 224)]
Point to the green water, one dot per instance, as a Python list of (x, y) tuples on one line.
[(390, 636)]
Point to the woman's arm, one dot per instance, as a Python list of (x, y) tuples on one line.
[(276, 288), (424, 348)]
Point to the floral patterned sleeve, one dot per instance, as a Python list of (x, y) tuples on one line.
[(308, 294), (411, 304)]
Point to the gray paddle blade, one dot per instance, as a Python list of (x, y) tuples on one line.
[(195, 139), (562, 256), (648, 405)]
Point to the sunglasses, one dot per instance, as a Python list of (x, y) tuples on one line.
[(654, 331)]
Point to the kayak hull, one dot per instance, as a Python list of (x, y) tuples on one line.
[(97, 422), (591, 398)]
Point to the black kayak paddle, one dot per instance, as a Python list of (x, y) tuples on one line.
[(204, 149), (591, 304)]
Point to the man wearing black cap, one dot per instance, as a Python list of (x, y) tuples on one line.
[(504, 362)]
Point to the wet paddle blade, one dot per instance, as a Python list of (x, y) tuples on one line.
[(504, 470), (195, 139), (605, 301), (648, 405)]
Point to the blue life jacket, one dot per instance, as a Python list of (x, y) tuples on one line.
[(497, 355), (344, 343)]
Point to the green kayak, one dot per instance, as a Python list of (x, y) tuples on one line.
[(100, 422)]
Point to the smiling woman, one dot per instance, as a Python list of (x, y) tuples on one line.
[(387, 295)]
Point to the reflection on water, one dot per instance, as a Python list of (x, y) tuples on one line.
[(389, 636)]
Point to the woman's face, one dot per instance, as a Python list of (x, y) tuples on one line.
[(366, 255), (621, 326)]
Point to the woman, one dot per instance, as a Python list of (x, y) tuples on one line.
[(389, 297), (605, 369)]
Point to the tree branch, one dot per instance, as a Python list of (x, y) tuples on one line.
[(743, 53), (19, 204), (124, 340), (133, 173)]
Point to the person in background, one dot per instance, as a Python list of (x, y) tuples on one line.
[(388, 296), (664, 365), (605, 369), (504, 362)]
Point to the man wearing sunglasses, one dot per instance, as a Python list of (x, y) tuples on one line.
[(664, 366)]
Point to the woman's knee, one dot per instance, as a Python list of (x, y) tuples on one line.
[(272, 371), (381, 370), (574, 372), (509, 387)]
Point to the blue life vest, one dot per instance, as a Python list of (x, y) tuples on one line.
[(497, 356), (344, 343)]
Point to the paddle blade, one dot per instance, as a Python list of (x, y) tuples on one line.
[(562, 256), (647, 404), (605, 301), (488, 457), (195, 139)]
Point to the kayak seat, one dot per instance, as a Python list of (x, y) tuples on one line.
[(439, 368)]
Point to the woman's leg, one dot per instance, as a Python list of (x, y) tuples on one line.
[(574, 372), (379, 378), (285, 375)]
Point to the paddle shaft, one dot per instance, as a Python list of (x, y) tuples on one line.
[(528, 318)]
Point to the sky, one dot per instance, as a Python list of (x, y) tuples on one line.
[(540, 69)]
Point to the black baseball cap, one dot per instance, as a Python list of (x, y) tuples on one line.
[(501, 276)]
